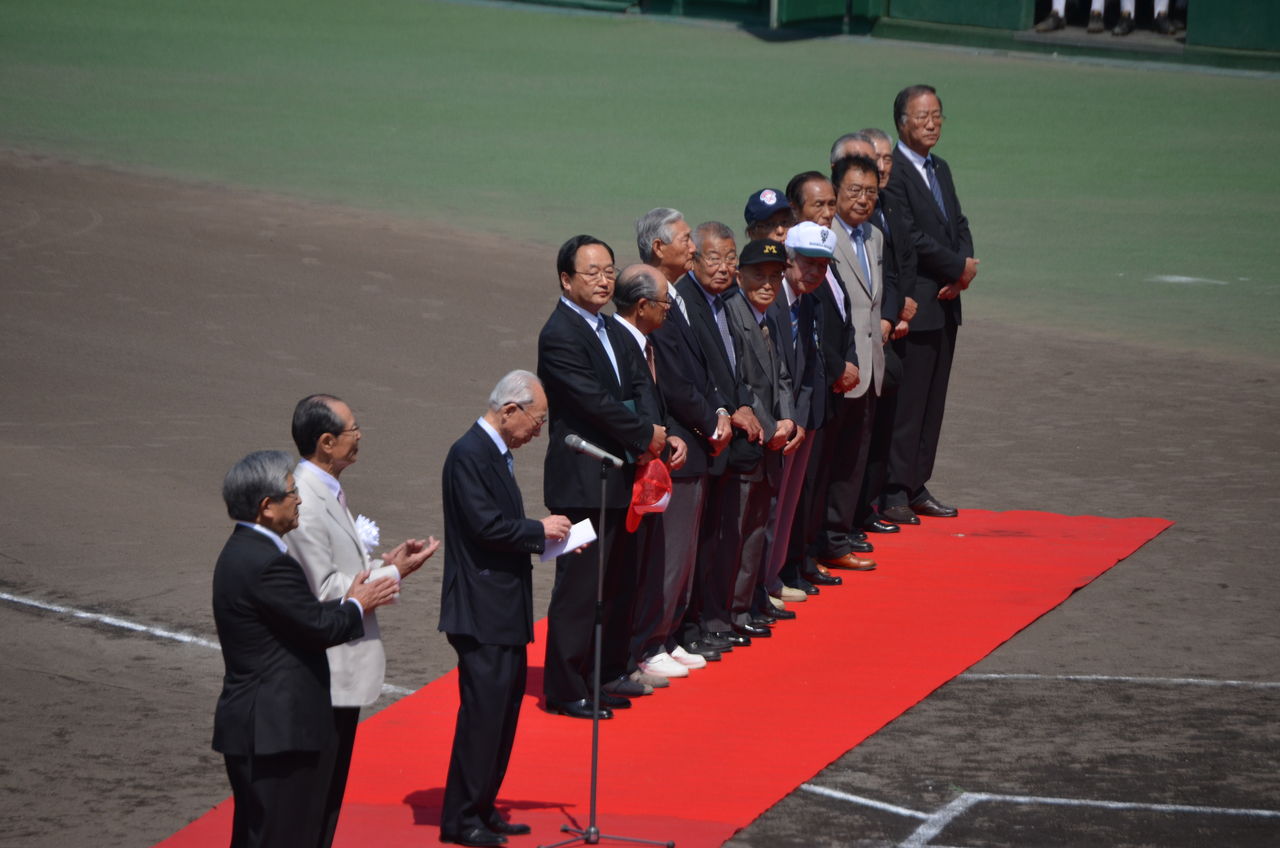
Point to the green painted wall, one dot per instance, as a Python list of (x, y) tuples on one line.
[(1241, 24), (997, 14)]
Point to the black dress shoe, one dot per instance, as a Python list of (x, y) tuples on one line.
[(860, 535), (878, 526), (752, 630), (900, 515), (735, 639), (502, 826), (613, 702), (859, 546), (933, 509), (480, 836), (764, 620), (708, 653), (824, 579), (715, 643), (576, 709), (783, 614)]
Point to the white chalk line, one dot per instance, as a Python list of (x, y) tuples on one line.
[(159, 632), (938, 822), (934, 823), (866, 802), (1116, 678)]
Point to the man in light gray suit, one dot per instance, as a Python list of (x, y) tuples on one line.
[(331, 551), (858, 265), (764, 371)]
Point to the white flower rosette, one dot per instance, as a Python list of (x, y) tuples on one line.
[(369, 534)]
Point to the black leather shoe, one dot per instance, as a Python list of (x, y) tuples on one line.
[(876, 525), (752, 630), (820, 579), (705, 651), (501, 826), (861, 546), (764, 620), (900, 515), (933, 509), (576, 709), (480, 836), (612, 702), (860, 535), (735, 639), (783, 614)]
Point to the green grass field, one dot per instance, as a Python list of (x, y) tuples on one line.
[(1083, 183)]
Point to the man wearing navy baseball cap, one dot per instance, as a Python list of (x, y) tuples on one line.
[(768, 215)]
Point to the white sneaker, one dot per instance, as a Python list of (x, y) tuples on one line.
[(791, 595), (663, 665), (687, 659)]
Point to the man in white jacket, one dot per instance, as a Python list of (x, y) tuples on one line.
[(329, 545)]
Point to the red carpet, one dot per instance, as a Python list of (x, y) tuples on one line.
[(947, 593)]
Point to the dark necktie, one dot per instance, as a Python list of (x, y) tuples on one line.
[(884, 222), (932, 177), (511, 463), (795, 321), (722, 324), (648, 356)]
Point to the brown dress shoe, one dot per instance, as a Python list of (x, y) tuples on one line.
[(852, 562), (900, 515)]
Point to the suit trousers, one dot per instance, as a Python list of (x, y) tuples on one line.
[(719, 555), (345, 721), (917, 424), (753, 528), (784, 512), (877, 459), (842, 466), (571, 613), (645, 549), (279, 798), (682, 522), (491, 681)]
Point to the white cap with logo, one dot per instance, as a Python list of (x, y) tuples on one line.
[(810, 239)]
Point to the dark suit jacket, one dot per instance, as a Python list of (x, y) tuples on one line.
[(487, 592), (899, 257), (586, 398), (765, 372), (802, 359), (941, 243), (689, 393), (274, 633), (836, 341), (740, 455)]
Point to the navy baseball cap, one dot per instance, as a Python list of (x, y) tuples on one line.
[(764, 203)]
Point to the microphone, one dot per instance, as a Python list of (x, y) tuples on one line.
[(581, 445)]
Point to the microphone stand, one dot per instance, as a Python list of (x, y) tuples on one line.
[(591, 835)]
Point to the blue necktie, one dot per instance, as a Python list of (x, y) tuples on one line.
[(932, 177), (795, 321), (511, 463), (860, 242), (603, 335)]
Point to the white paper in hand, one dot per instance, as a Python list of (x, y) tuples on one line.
[(580, 534)]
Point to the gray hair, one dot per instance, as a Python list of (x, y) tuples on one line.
[(516, 387), (655, 225), (710, 230), (837, 148), (261, 474), (635, 284), (874, 135)]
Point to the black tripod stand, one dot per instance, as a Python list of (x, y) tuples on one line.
[(591, 835)]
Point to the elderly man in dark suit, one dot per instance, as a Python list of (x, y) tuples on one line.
[(697, 414), (598, 389), (274, 720), (764, 369), (486, 602), (922, 189)]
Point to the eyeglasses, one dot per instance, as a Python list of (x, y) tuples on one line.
[(609, 272), (537, 422), (714, 261), (288, 493), (869, 192), (925, 117), (664, 302)]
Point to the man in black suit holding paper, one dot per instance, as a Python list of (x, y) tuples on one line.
[(598, 389), (274, 719), (486, 602), (921, 187)]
